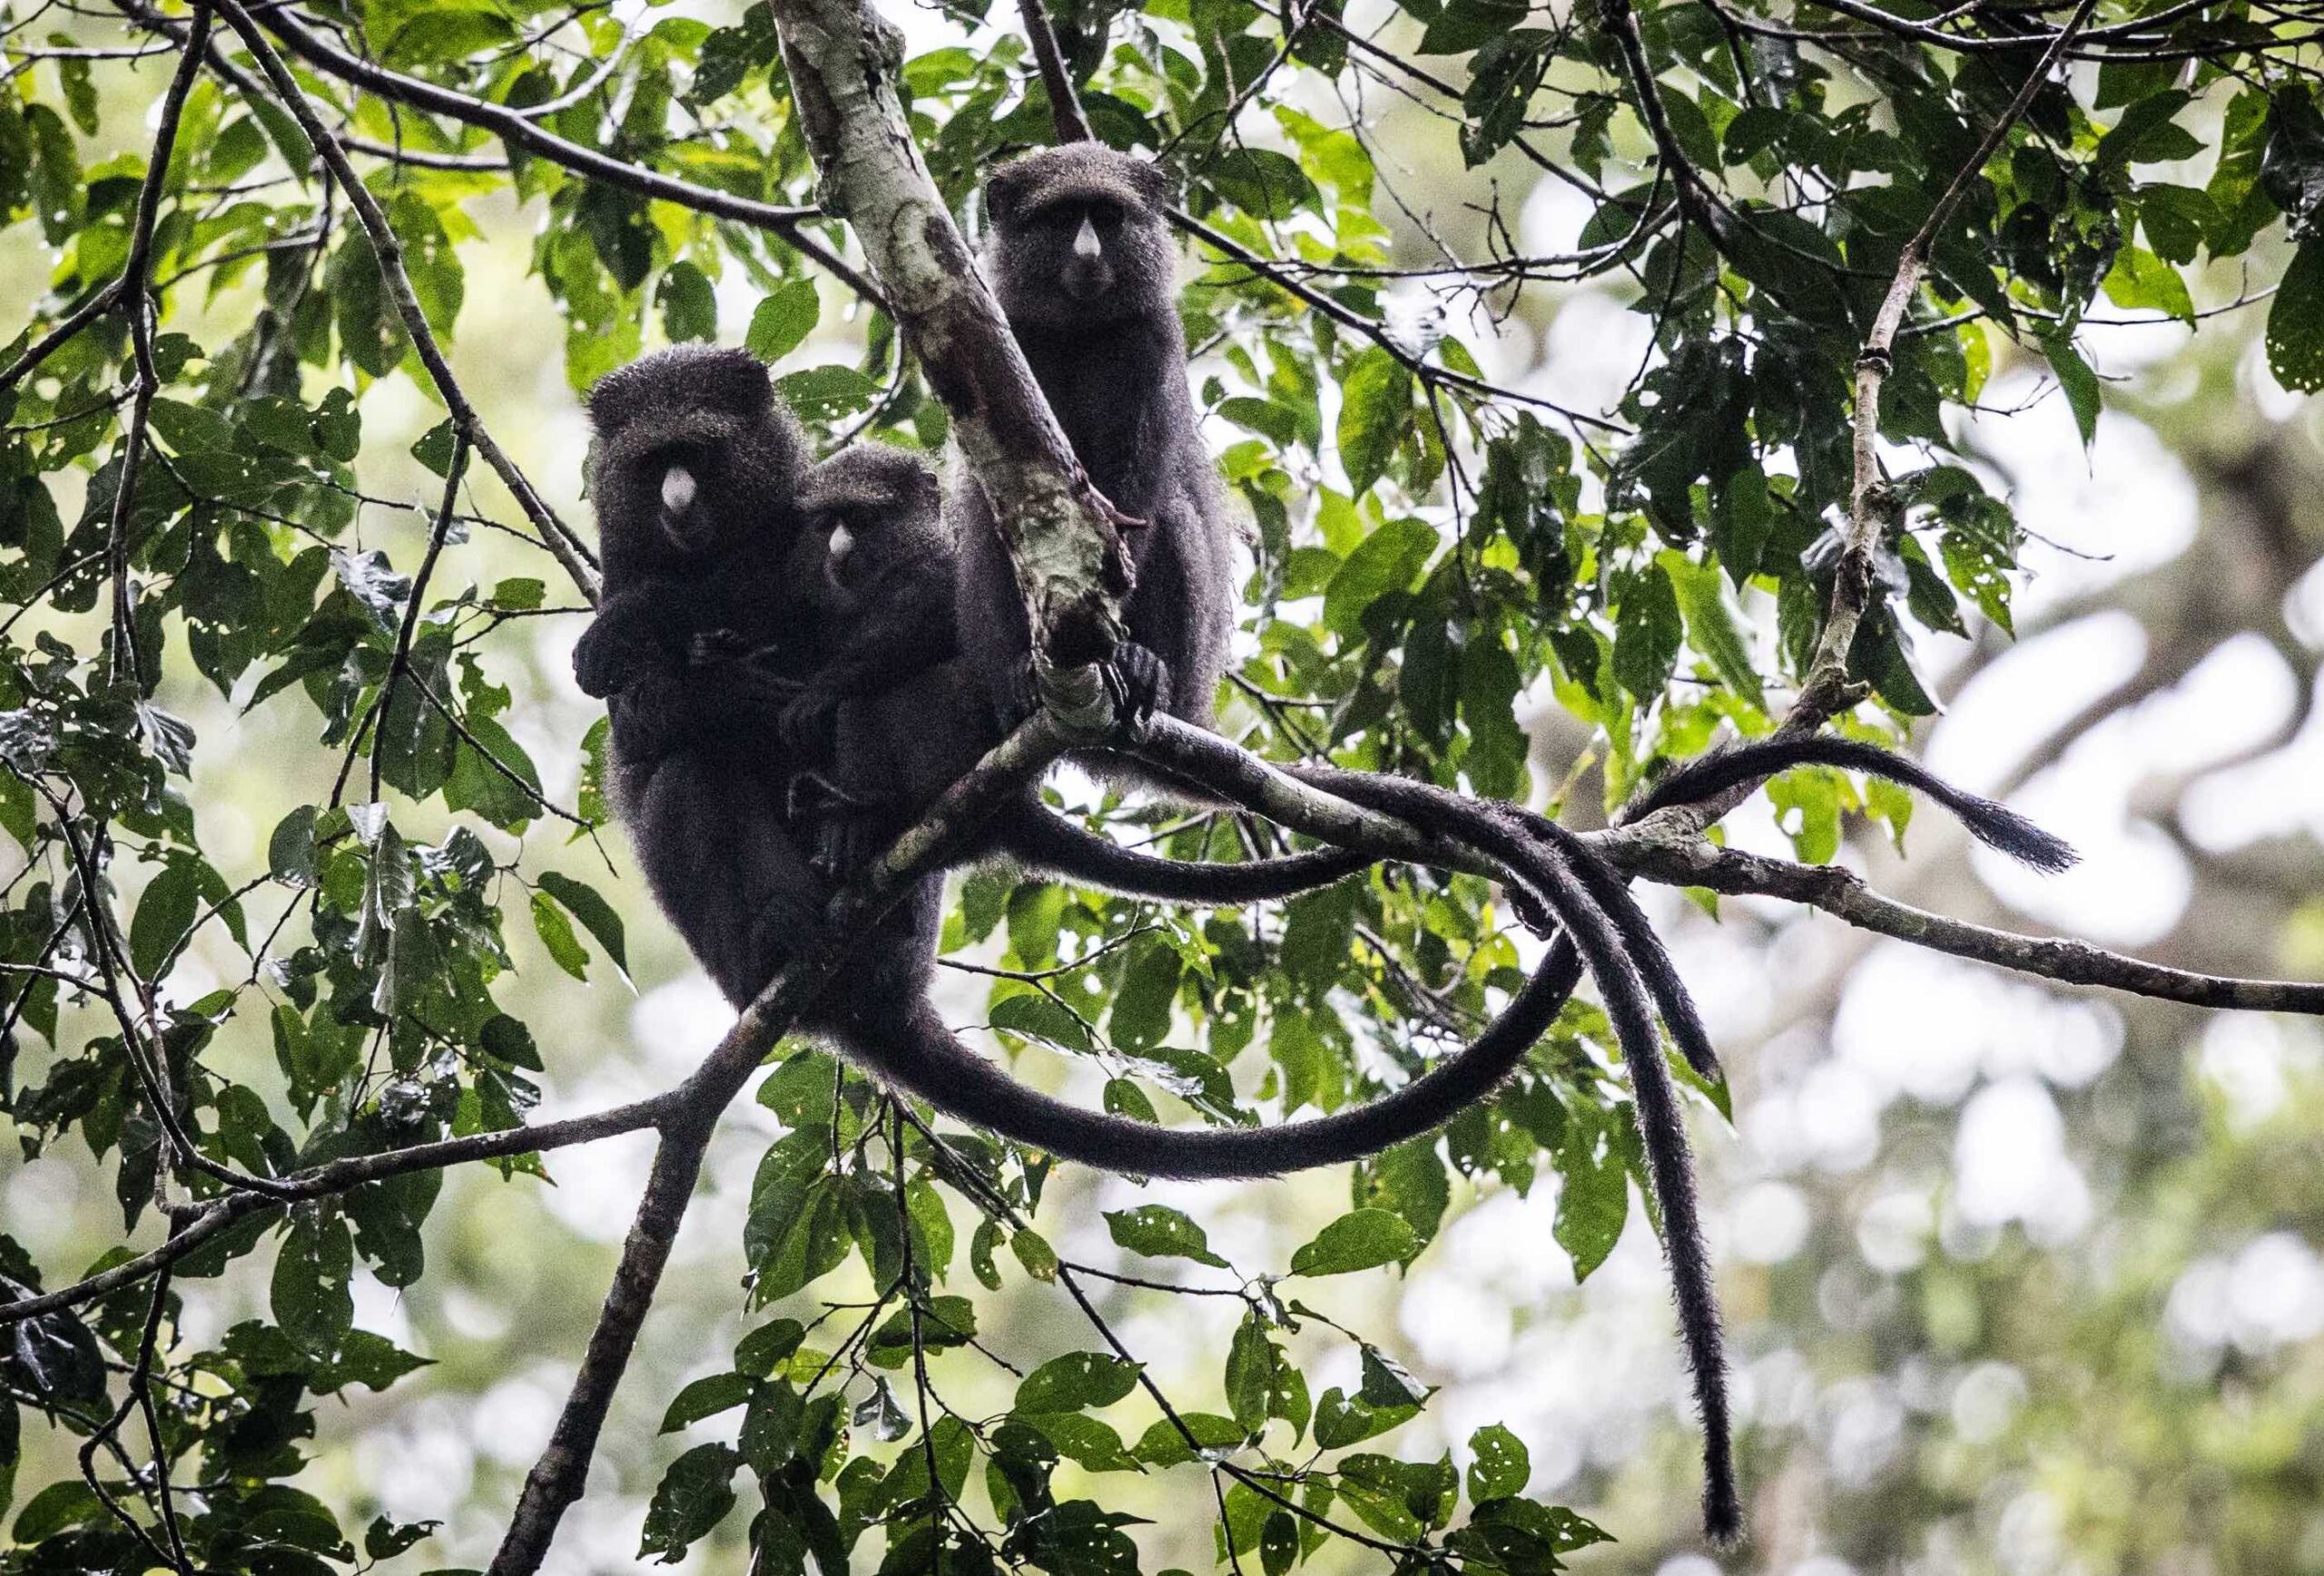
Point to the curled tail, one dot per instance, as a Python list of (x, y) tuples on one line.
[(1037, 837), (1996, 826), (918, 1053)]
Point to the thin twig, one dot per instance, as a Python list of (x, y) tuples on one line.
[(388, 249), (136, 279)]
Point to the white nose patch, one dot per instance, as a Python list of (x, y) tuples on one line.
[(843, 543), (1086, 243), (677, 490)]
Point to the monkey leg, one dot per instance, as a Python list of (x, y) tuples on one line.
[(723, 864)]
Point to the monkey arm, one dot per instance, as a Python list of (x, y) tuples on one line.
[(633, 633), (668, 705), (906, 625)]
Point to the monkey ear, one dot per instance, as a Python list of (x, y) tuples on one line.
[(1154, 182), (1004, 193)]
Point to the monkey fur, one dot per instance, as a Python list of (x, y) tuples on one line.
[(1080, 256), (702, 779), (887, 580)]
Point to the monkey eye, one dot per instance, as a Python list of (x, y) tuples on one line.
[(1105, 214)]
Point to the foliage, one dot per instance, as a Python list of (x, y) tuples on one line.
[(193, 511)]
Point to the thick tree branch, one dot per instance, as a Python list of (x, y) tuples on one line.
[(1064, 103), (1060, 535)]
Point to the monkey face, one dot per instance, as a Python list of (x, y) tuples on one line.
[(694, 456), (870, 505), (1078, 236)]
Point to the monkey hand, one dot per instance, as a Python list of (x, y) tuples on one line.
[(602, 662), (809, 725), (709, 647), (1138, 682)]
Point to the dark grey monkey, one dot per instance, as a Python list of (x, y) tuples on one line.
[(1081, 259)]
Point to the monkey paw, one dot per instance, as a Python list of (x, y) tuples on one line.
[(809, 726), (601, 666), (1139, 682), (709, 647)]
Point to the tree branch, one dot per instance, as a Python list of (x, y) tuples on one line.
[(555, 535), (788, 221), (1840, 892), (1064, 103), (556, 1479), (1868, 506), (136, 287)]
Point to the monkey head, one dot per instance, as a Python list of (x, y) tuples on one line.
[(694, 456), (874, 504), (1079, 236)]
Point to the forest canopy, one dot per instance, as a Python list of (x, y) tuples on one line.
[(311, 882)]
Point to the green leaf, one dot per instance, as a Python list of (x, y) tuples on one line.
[(596, 916), (2140, 278), (1158, 1231), (1375, 413), (1647, 635), (2079, 382), (312, 1296), (1360, 1239), (693, 1497), (165, 910), (705, 1397), (1162, 1445), (1593, 1197), (1499, 1463), (1387, 561), (1077, 1380), (689, 308), (2295, 321), (781, 321), (556, 932), (1714, 626), (827, 393)]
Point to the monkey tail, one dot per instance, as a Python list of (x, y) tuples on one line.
[(1996, 825), (917, 1053), (1424, 803), (1579, 888), (1043, 840)]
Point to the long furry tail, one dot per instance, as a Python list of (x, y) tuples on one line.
[(916, 1051), (1040, 839), (1574, 898), (1997, 826)]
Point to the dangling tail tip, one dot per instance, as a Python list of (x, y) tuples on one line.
[(1722, 1515), (2010, 834)]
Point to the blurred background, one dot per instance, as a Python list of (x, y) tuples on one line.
[(2020, 1281)]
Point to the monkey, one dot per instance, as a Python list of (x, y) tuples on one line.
[(1079, 258), (701, 778), (887, 580), (725, 864), (692, 440)]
